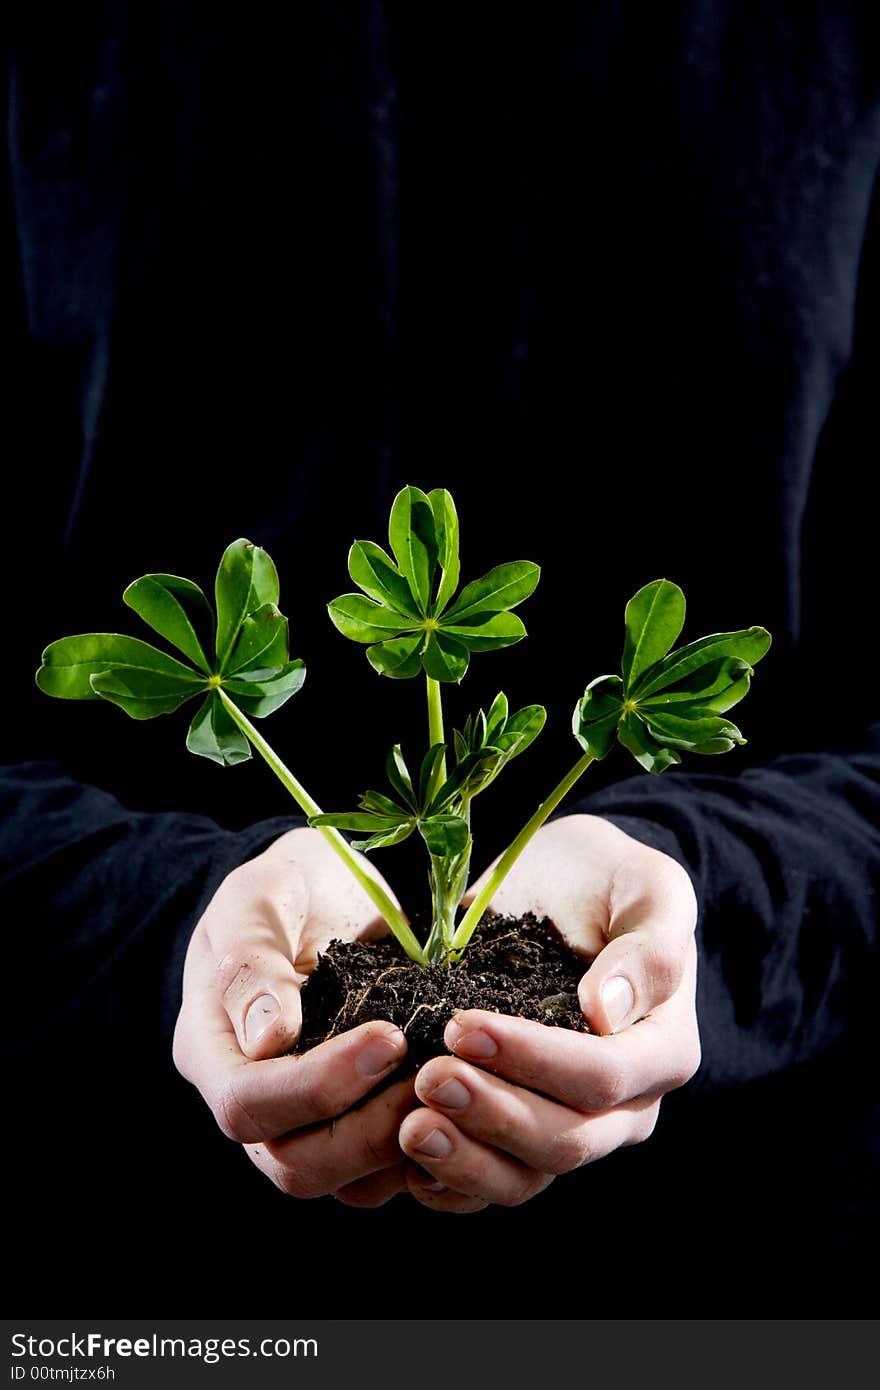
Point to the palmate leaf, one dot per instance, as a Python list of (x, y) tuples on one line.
[(668, 701), (380, 579), (262, 641), (213, 735), (261, 693), (70, 663), (252, 664), (246, 579), (178, 610), (445, 835), (654, 619), (485, 745), (407, 613), (412, 535)]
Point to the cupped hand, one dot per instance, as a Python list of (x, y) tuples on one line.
[(247, 960), (520, 1102)]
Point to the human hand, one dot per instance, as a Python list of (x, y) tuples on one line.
[(245, 965), (520, 1102)]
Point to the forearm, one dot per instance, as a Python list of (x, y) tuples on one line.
[(100, 902), (786, 865)]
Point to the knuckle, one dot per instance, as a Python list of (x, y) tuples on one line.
[(233, 1116), (323, 1097), (180, 1050), (567, 1152), (526, 1187), (666, 970), (606, 1089), (299, 1182), (688, 1065), (235, 972), (644, 1126)]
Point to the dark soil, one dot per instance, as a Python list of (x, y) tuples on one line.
[(511, 966)]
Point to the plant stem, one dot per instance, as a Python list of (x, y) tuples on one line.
[(503, 866), (449, 879), (435, 731), (391, 913)]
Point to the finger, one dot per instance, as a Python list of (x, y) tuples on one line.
[(468, 1167), (541, 1133), (374, 1190), (584, 1071), (436, 1195), (259, 1100), (331, 1156), (650, 950), (253, 926)]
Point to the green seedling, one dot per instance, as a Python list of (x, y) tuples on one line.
[(414, 623)]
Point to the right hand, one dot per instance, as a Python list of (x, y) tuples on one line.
[(247, 960)]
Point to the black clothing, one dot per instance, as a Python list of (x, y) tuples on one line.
[(609, 273)]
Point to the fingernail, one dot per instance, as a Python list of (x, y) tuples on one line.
[(451, 1094), (475, 1044), (617, 1000), (379, 1054), (435, 1145), (260, 1017)]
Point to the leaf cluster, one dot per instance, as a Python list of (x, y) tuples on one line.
[(668, 701), (246, 636), (408, 611), (482, 748)]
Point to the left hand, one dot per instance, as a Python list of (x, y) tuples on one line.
[(520, 1102)]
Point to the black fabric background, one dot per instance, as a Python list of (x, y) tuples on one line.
[(609, 273)]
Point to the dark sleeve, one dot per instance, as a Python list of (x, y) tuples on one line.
[(100, 902), (786, 864)]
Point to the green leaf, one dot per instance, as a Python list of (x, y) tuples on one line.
[(399, 776), (178, 610), (445, 835), (603, 696), (144, 694), (444, 658), (722, 682), (212, 734), (355, 820), (522, 729), (596, 715), (262, 641), (677, 732), (384, 838), (466, 771), (715, 745), (654, 619), (365, 621), (502, 588), (69, 663), (446, 532), (497, 716), (484, 632), (413, 539), (260, 696), (383, 805), (399, 658), (596, 737), (652, 755), (749, 645), (373, 571), (428, 769), (246, 579)]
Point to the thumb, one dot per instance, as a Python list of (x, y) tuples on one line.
[(650, 943), (252, 926)]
